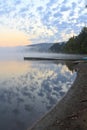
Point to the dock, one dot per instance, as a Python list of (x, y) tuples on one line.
[(53, 58)]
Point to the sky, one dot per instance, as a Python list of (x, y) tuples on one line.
[(24, 22)]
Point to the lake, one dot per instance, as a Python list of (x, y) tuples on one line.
[(29, 89)]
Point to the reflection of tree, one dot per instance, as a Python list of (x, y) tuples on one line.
[(69, 64)]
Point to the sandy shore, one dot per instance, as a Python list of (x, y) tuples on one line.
[(71, 112)]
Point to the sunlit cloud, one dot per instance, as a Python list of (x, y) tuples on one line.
[(65, 36)]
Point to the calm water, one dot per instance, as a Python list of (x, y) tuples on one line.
[(28, 89)]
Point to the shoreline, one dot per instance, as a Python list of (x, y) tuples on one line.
[(71, 111)]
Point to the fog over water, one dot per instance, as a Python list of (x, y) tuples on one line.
[(29, 89)]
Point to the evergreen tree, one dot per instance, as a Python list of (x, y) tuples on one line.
[(77, 44)]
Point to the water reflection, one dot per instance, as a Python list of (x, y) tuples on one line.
[(11, 68), (30, 89)]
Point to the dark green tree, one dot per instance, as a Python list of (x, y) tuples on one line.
[(77, 44)]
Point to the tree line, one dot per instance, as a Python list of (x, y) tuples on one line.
[(75, 45)]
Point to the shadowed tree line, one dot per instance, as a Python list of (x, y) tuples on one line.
[(76, 44)]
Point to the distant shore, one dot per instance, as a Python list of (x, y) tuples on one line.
[(71, 112)]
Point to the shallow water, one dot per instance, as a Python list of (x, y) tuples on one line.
[(29, 89)]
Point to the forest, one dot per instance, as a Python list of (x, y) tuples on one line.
[(75, 45)]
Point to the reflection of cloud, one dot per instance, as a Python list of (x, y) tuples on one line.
[(28, 95), (64, 69), (16, 111), (28, 107), (20, 125)]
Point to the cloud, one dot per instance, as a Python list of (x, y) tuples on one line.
[(40, 8), (43, 21), (64, 8)]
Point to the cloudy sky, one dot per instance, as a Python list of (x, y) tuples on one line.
[(35, 21)]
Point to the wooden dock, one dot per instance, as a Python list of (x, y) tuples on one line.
[(52, 58)]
